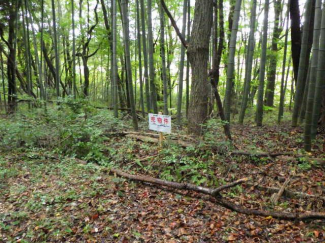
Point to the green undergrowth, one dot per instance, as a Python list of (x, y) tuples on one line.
[(75, 129), (72, 129)]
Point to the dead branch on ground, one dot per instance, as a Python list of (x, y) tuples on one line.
[(219, 199)]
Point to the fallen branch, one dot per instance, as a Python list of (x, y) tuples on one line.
[(276, 196), (150, 134), (156, 140), (219, 199), (259, 154)]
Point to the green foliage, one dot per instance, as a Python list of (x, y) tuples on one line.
[(268, 108), (74, 129), (304, 164), (179, 167)]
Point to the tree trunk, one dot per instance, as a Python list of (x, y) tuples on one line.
[(181, 68), (308, 135), (198, 54), (259, 110), (114, 61), (153, 92), (249, 63), (231, 60), (303, 63), (163, 58), (284, 62), (126, 39), (145, 54), (320, 81), (3, 82), (187, 61), (74, 83), (295, 36), (57, 65), (140, 58), (271, 77)]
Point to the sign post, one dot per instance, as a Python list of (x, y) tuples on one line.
[(160, 123)]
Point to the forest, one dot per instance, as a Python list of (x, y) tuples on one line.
[(85, 86)]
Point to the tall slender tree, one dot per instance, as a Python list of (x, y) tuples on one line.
[(57, 61), (320, 81), (284, 62), (311, 86), (114, 60), (139, 37), (303, 62), (249, 62), (74, 83), (153, 92), (126, 39), (231, 60), (163, 58), (145, 54), (181, 68), (273, 57), (259, 110)]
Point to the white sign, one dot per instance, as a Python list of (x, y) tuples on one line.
[(160, 123)]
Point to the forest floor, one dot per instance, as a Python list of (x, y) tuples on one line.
[(48, 194)]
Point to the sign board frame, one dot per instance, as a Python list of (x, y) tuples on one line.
[(160, 123)]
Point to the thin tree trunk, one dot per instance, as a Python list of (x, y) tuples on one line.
[(259, 110), (163, 58), (231, 60), (124, 10), (271, 75), (284, 62), (145, 55), (57, 65), (74, 83), (153, 92), (3, 82), (295, 35), (181, 68), (38, 62), (27, 50), (140, 58), (114, 61), (187, 61), (249, 63)]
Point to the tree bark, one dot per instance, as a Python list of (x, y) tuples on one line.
[(271, 76), (198, 53), (303, 64), (249, 62), (163, 58), (295, 36), (231, 60), (308, 135), (259, 110), (181, 68), (320, 81), (153, 91), (125, 17)]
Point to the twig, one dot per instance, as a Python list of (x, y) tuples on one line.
[(275, 197)]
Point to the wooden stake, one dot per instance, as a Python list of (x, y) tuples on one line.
[(161, 137)]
